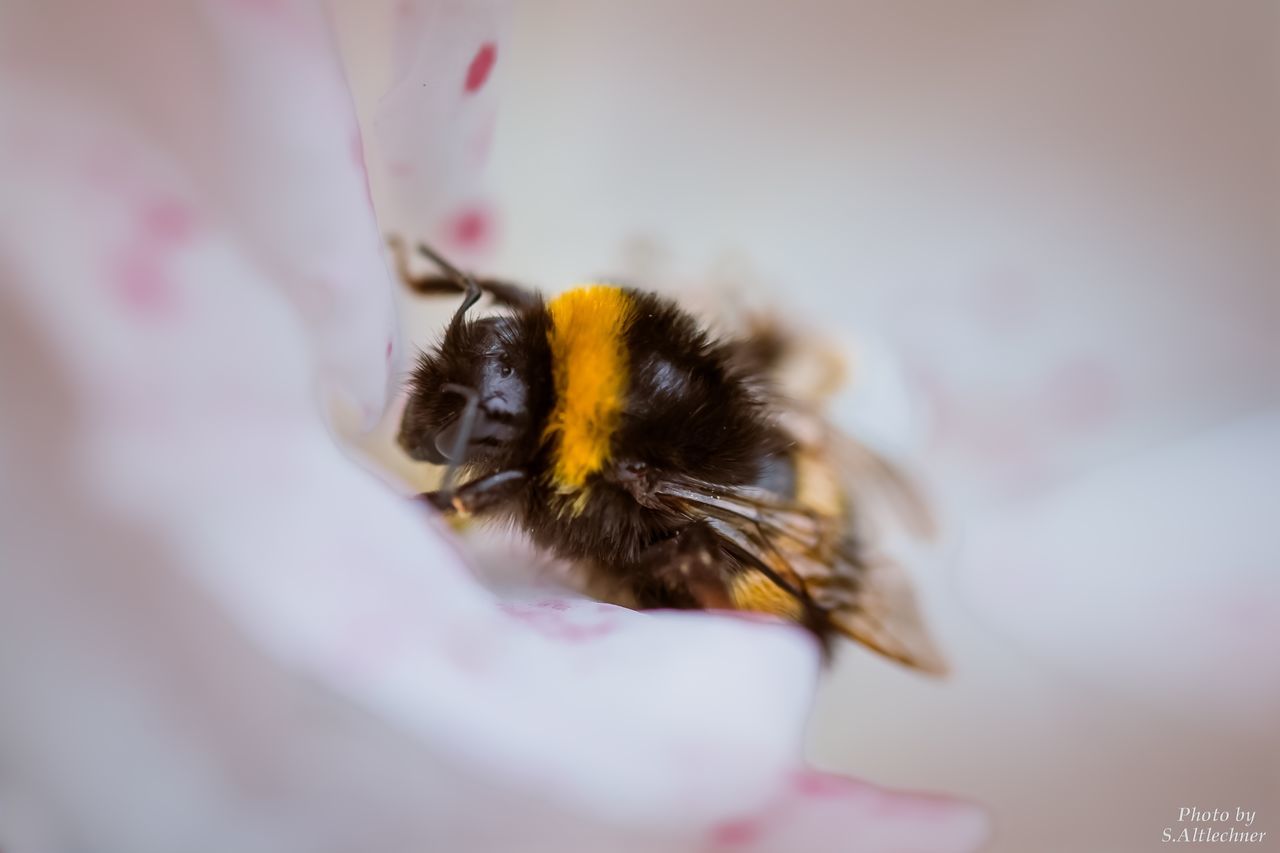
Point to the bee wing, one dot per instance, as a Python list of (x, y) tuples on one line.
[(869, 487), (798, 376), (884, 616), (797, 564), (869, 478), (748, 507)]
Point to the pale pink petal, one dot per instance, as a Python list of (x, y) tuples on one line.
[(1155, 577), (202, 593)]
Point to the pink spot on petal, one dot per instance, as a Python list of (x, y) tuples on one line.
[(554, 624), (470, 230), (140, 283), (736, 833), (400, 168), (390, 349), (168, 222), (481, 65), (812, 783)]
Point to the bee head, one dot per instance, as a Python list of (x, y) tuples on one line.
[(471, 398)]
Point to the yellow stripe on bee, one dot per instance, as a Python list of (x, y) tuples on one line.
[(589, 367), (753, 590)]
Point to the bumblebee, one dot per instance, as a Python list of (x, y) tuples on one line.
[(622, 436)]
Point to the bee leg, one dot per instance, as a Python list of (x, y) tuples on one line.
[(503, 292), (508, 293), (688, 570), (478, 496), (452, 280)]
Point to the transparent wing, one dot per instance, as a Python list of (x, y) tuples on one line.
[(803, 565)]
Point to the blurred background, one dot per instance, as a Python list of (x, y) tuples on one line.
[(1048, 235)]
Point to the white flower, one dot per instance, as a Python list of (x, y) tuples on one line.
[(217, 630)]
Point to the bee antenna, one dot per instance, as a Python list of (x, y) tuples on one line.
[(464, 281), (466, 424)]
